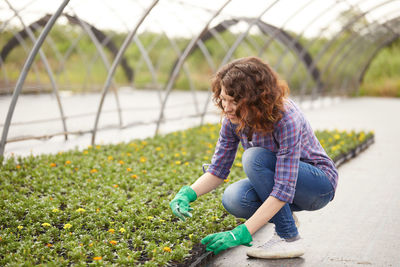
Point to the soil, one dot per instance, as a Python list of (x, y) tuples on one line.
[(198, 257)]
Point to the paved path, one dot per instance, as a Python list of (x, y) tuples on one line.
[(361, 226)]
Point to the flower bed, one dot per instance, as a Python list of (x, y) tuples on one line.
[(110, 204)]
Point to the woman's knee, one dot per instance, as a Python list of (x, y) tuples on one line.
[(231, 200), (235, 200), (257, 158), (249, 155)]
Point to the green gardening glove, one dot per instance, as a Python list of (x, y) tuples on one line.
[(180, 204), (224, 240)]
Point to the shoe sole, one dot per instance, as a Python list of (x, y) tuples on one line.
[(261, 254)]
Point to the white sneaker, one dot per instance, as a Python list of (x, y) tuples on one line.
[(278, 248)]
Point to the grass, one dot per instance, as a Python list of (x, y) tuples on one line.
[(109, 205), (384, 87)]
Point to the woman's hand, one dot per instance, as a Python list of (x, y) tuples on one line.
[(180, 204), (224, 240)]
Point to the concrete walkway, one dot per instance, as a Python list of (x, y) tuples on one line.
[(361, 226)]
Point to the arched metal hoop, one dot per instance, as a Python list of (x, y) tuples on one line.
[(347, 36)]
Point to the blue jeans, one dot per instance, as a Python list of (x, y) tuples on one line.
[(243, 198)]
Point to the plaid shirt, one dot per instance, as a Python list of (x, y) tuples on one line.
[(292, 140)]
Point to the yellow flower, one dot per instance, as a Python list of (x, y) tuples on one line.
[(98, 147), (55, 210), (134, 176), (361, 137), (144, 143), (93, 170), (226, 180), (214, 218), (67, 226), (177, 155), (85, 152), (144, 171), (20, 227), (46, 224), (111, 231), (158, 148), (110, 158), (143, 159), (128, 154), (97, 258), (49, 245), (80, 210), (150, 217), (53, 164), (90, 147), (238, 164), (190, 236), (178, 162), (128, 169), (186, 163), (113, 242), (121, 162), (67, 162), (97, 210), (122, 230), (132, 144), (91, 245), (161, 220), (167, 249), (18, 166), (115, 186)]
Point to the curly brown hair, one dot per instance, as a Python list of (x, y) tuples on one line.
[(257, 91)]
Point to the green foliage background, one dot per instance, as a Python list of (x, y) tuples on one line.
[(85, 71)]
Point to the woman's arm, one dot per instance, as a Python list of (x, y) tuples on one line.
[(264, 213), (206, 183)]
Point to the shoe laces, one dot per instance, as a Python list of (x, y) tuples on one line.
[(274, 240)]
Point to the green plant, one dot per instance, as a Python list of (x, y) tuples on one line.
[(110, 204)]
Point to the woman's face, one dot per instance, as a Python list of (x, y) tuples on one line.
[(229, 106)]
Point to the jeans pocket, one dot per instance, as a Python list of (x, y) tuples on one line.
[(322, 200)]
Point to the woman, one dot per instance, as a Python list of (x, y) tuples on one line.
[(286, 167)]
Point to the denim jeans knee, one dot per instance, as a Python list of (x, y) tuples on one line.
[(240, 199), (257, 157)]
